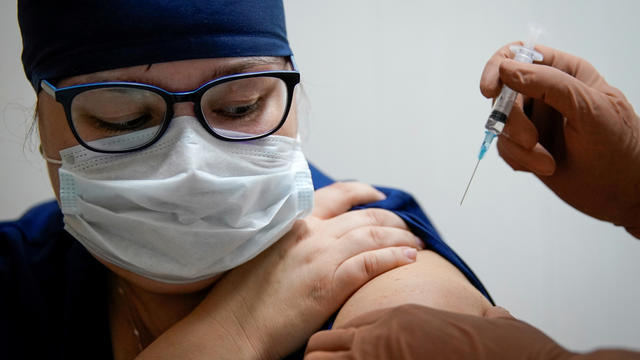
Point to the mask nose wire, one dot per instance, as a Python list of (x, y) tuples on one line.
[(180, 109), (59, 162)]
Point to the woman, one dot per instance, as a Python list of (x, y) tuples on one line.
[(170, 134)]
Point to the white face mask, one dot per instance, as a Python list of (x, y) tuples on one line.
[(187, 208)]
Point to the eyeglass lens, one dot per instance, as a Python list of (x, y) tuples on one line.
[(236, 109)]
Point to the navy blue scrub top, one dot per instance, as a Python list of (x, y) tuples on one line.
[(53, 293)]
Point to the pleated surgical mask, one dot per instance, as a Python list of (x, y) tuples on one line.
[(187, 208)]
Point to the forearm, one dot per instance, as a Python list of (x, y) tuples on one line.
[(204, 336)]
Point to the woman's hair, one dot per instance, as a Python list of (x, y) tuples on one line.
[(32, 129)]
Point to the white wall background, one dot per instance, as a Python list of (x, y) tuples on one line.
[(395, 101)]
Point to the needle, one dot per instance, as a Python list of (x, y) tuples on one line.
[(486, 143), (471, 179)]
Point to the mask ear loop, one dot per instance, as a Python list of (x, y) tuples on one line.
[(48, 159)]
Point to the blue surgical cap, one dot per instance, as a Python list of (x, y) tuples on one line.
[(71, 37)]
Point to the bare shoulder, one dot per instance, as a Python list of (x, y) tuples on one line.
[(431, 281)]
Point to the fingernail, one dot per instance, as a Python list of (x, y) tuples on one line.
[(410, 253), (381, 195), (550, 171), (546, 170), (421, 243)]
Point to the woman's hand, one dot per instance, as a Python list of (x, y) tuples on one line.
[(270, 306), (577, 133)]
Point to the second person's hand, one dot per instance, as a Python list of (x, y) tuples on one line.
[(572, 129), (413, 332)]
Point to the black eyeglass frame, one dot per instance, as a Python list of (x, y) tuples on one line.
[(66, 95)]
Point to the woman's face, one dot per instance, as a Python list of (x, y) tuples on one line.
[(176, 76)]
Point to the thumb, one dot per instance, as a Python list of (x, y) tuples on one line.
[(568, 95)]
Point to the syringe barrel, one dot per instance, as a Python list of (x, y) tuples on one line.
[(502, 107), (500, 111)]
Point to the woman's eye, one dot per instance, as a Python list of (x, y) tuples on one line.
[(237, 111), (128, 125)]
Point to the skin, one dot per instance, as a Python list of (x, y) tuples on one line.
[(431, 281), (177, 316)]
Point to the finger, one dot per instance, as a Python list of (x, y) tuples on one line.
[(331, 340), (519, 128), (341, 224), (566, 94), (498, 312), (329, 355), (571, 64), (339, 197), (490, 83), (368, 318), (537, 160), (357, 270), (370, 238), (515, 166)]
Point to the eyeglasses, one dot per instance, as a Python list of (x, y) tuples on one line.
[(237, 107)]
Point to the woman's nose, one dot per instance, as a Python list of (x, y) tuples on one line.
[(184, 109)]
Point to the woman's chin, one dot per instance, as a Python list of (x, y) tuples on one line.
[(159, 287)]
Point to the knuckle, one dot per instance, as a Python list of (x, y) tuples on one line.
[(370, 265), (302, 230), (319, 291), (368, 237), (299, 233), (376, 235), (374, 216), (398, 256), (343, 187), (486, 89)]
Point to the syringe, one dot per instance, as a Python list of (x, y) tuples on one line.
[(503, 104)]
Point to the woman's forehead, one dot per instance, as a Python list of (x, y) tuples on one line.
[(183, 75)]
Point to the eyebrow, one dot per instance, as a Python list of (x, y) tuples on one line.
[(246, 65), (239, 67)]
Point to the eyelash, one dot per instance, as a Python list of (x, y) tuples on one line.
[(122, 126)]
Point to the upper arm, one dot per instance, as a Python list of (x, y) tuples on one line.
[(430, 281)]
